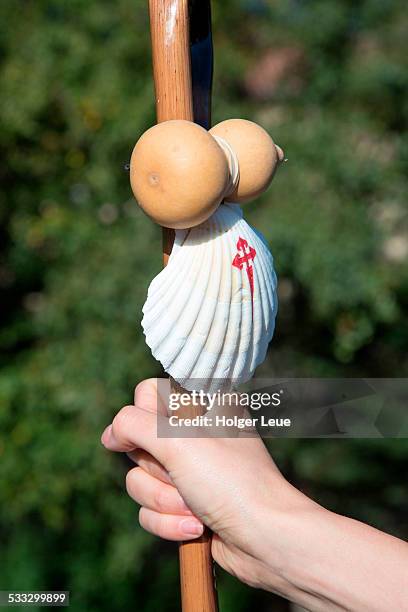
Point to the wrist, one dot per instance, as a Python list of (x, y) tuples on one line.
[(289, 525), (322, 560)]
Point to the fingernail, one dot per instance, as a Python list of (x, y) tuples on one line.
[(191, 527), (106, 435)]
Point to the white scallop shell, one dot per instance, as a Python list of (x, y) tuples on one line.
[(201, 319)]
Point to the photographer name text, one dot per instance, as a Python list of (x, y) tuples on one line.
[(228, 421)]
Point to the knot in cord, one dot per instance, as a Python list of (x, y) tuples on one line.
[(233, 165)]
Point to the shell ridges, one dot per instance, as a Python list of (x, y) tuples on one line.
[(210, 314)]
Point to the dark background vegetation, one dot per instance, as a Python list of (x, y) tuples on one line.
[(328, 79)]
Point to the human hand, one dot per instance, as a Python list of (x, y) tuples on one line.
[(266, 532), (230, 485)]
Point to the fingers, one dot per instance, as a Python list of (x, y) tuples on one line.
[(149, 464), (154, 494), (152, 395), (134, 430), (135, 427), (170, 527)]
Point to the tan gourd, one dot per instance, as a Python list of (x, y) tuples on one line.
[(178, 174), (258, 157)]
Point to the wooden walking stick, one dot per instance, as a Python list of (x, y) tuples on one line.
[(182, 67), (209, 315)]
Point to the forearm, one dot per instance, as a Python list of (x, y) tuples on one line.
[(329, 562), (267, 533)]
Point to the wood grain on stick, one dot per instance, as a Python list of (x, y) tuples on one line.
[(169, 24), (170, 33)]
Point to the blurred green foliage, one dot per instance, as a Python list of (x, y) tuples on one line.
[(77, 257)]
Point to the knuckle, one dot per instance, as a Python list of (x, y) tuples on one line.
[(132, 478), (138, 388), (149, 521), (142, 518), (161, 499), (120, 423), (159, 525), (144, 385)]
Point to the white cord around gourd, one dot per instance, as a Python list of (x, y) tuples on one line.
[(233, 164)]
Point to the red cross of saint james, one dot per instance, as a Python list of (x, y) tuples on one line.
[(244, 256)]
